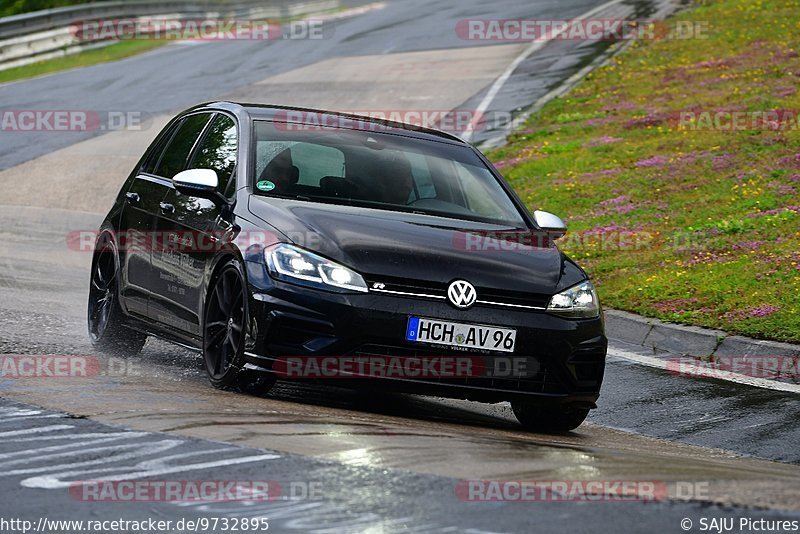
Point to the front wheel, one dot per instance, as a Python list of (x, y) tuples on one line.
[(224, 325), (549, 418), (104, 315)]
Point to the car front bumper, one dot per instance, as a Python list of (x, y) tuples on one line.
[(555, 360)]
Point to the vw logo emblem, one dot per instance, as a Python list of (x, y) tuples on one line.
[(462, 294)]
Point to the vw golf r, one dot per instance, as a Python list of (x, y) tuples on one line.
[(264, 236)]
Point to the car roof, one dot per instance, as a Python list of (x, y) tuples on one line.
[(325, 117)]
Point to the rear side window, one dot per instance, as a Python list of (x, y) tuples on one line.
[(154, 156), (175, 156), (217, 151), (423, 182)]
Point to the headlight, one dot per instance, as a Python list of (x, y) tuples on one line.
[(294, 264), (577, 302)]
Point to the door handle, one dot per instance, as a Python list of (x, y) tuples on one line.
[(133, 198), (167, 208)]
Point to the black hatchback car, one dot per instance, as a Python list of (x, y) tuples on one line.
[(301, 244)]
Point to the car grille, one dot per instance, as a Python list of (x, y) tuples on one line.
[(438, 291)]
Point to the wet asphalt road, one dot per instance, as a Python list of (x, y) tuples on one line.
[(710, 413), (385, 461), (51, 457), (42, 311), (416, 448)]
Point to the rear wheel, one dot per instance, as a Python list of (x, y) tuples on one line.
[(104, 315), (224, 327), (549, 418)]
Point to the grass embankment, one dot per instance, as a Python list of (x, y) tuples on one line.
[(112, 52), (16, 7), (690, 221)]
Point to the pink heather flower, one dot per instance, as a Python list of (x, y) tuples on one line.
[(625, 105), (776, 211), (625, 208), (607, 229), (506, 162), (763, 310), (747, 245), (600, 121), (599, 174), (651, 162), (616, 200), (604, 140)]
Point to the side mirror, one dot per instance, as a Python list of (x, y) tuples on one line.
[(549, 223), (200, 183)]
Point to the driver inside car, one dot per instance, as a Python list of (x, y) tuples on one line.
[(281, 172), (398, 181)]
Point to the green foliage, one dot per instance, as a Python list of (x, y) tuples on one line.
[(681, 219), (15, 7)]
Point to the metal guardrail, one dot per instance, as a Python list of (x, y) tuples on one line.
[(42, 35)]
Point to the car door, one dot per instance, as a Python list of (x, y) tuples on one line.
[(162, 262), (192, 226), (136, 226)]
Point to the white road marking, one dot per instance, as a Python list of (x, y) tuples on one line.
[(26, 417), (52, 482), (76, 441), (51, 428), (77, 436), (111, 455), (700, 371), (534, 46), (558, 91)]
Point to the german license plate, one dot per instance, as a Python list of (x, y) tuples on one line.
[(471, 336)]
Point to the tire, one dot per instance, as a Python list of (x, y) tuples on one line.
[(549, 418), (105, 319), (224, 328)]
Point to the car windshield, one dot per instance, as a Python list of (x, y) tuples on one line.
[(379, 170)]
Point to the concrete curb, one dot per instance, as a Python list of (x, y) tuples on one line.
[(688, 340)]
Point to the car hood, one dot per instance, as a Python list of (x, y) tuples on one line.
[(416, 247)]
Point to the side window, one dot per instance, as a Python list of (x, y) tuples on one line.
[(317, 161), (313, 161), (492, 203), (217, 151), (177, 152), (155, 154), (422, 175)]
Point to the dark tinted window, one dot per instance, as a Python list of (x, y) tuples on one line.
[(217, 151), (155, 154), (177, 153), (379, 170)]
